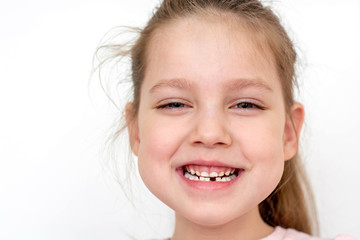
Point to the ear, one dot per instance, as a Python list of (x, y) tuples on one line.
[(293, 125), (133, 128)]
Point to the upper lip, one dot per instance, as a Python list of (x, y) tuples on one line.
[(210, 163)]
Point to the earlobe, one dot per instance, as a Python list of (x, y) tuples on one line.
[(293, 126), (133, 128)]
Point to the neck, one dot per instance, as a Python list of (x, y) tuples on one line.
[(249, 226)]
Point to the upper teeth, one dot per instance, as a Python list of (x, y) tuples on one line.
[(199, 173), (223, 176), (213, 174), (207, 179), (204, 174)]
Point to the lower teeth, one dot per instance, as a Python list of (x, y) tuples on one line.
[(208, 179)]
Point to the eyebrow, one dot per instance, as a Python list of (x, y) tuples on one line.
[(179, 83), (234, 84), (240, 83)]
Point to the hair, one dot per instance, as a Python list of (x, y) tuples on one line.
[(291, 204)]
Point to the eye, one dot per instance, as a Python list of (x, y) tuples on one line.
[(247, 105), (173, 105), (244, 105)]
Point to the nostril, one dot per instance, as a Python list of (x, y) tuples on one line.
[(210, 144), (210, 135)]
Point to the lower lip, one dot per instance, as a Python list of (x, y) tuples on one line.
[(208, 185)]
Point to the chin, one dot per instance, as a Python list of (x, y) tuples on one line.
[(208, 221), (210, 217)]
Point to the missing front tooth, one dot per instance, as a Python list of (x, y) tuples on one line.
[(223, 176)]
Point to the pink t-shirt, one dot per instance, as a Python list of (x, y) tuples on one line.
[(291, 234)]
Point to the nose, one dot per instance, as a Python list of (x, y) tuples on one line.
[(211, 130)]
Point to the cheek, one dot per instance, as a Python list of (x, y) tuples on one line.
[(159, 140), (261, 144), (261, 136)]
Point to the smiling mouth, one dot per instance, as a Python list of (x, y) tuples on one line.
[(210, 174)]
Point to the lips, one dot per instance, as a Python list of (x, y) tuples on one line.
[(208, 174)]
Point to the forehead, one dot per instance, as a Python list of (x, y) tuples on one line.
[(198, 48)]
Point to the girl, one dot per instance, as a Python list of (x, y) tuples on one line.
[(214, 124)]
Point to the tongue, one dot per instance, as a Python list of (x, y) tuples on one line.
[(209, 169)]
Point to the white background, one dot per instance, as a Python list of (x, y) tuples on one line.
[(52, 128)]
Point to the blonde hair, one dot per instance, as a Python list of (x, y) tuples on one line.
[(291, 204)]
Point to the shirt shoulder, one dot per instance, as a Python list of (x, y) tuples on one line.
[(292, 234), (344, 237)]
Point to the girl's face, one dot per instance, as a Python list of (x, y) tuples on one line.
[(212, 105)]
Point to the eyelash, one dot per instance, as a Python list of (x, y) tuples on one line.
[(244, 105), (248, 105), (171, 105)]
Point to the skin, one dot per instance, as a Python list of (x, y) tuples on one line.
[(209, 94)]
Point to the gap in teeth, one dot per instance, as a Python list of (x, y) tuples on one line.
[(213, 176)]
